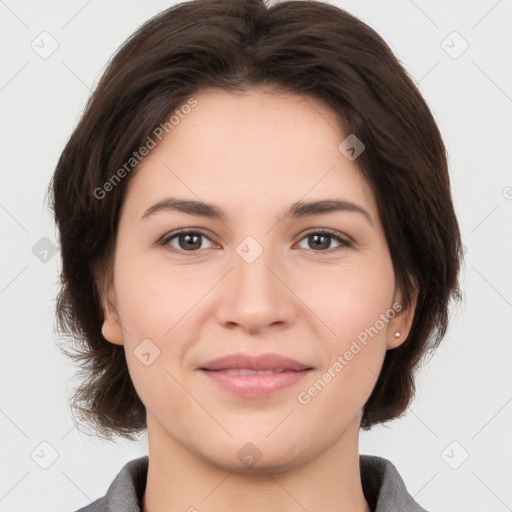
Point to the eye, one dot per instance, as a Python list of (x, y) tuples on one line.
[(187, 241), (320, 240)]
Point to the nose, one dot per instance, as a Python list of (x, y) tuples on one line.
[(257, 294)]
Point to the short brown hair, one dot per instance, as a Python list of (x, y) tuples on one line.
[(303, 47)]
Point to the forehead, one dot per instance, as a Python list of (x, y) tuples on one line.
[(256, 150)]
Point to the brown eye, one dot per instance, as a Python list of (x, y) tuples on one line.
[(186, 241), (321, 241)]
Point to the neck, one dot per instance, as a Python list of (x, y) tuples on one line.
[(180, 480)]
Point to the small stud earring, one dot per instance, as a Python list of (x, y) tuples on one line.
[(397, 334)]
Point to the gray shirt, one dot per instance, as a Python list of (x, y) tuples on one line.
[(383, 488)]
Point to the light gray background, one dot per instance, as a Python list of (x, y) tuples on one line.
[(464, 394)]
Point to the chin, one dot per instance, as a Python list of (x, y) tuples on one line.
[(259, 456), (274, 465)]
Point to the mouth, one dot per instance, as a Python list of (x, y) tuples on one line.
[(255, 376), (249, 383), (249, 371), (268, 362)]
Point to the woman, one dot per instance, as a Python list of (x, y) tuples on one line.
[(259, 245)]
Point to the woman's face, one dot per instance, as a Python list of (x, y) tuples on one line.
[(313, 285)]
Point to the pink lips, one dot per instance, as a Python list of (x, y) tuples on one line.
[(236, 373)]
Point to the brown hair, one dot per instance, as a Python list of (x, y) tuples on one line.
[(302, 47)]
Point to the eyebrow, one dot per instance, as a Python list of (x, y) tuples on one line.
[(297, 210)]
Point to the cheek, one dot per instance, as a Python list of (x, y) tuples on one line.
[(151, 298), (355, 297), (152, 305), (357, 311), (348, 298)]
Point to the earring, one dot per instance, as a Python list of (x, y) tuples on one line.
[(397, 334)]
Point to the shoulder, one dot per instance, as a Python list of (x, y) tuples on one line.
[(383, 486), (126, 490)]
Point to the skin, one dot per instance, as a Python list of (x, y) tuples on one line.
[(252, 154)]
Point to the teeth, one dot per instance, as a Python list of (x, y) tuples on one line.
[(246, 371)]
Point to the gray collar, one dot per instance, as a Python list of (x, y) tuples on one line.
[(383, 488)]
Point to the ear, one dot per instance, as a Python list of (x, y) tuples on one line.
[(111, 328), (402, 321)]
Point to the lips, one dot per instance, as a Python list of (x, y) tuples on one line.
[(262, 363), (255, 376)]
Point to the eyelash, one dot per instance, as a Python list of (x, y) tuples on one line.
[(345, 243)]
